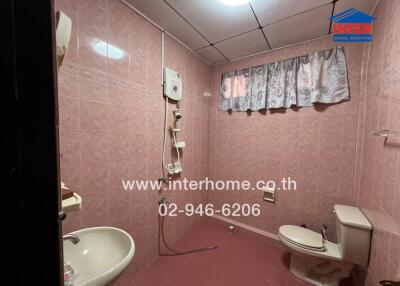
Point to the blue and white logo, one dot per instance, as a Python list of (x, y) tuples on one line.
[(352, 25)]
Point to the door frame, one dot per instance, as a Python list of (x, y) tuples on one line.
[(29, 139)]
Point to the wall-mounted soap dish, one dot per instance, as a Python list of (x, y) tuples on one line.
[(269, 194), (72, 204)]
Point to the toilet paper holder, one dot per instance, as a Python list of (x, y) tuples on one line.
[(269, 194)]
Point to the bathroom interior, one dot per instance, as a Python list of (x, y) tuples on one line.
[(218, 90)]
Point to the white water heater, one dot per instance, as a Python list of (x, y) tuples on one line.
[(173, 84)]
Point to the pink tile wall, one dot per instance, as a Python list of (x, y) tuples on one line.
[(316, 146), (111, 121), (379, 188), (328, 150)]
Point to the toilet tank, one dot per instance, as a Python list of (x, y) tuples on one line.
[(353, 231)]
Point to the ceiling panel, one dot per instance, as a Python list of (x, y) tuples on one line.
[(273, 10), (233, 29), (365, 5), (312, 24), (163, 15), (243, 45), (216, 21), (211, 55)]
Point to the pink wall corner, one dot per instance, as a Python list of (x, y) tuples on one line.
[(379, 187)]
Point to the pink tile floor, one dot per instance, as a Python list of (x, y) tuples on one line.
[(242, 259)]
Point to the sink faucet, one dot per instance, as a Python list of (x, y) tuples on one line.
[(68, 270), (71, 237), (323, 234)]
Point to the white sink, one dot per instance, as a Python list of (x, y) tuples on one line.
[(100, 256)]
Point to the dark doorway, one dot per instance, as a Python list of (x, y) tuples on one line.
[(29, 153)]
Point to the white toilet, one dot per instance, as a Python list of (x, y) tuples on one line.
[(321, 262)]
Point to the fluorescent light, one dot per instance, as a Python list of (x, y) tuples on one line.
[(234, 2), (104, 49)]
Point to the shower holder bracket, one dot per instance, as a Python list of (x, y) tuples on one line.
[(180, 145)]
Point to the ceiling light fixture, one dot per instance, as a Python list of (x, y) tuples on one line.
[(234, 2)]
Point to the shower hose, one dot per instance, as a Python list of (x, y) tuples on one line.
[(161, 236), (173, 251)]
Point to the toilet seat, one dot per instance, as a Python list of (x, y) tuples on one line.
[(302, 237)]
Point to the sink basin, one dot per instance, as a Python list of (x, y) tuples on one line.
[(102, 254)]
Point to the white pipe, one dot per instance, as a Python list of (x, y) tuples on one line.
[(141, 14), (374, 8), (246, 226), (166, 104), (162, 29), (162, 57)]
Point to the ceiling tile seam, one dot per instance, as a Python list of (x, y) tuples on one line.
[(275, 49), (280, 20), (226, 39), (141, 14), (196, 50), (259, 25), (212, 44), (333, 11), (220, 52), (265, 37), (191, 25), (294, 15)]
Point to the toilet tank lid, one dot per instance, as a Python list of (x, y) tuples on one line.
[(352, 216)]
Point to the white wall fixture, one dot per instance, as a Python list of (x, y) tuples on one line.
[(72, 204), (63, 35), (269, 194), (173, 84)]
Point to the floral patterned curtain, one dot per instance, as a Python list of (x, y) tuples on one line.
[(317, 77)]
